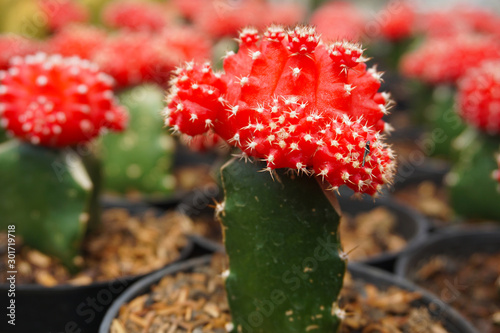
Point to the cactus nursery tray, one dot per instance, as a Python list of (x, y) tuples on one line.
[(191, 298)]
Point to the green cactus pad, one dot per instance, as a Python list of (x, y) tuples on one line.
[(281, 238), (46, 195), (473, 191), (140, 159), (446, 123)]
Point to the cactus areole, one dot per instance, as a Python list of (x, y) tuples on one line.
[(295, 103)]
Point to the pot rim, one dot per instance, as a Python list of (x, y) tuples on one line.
[(361, 271), (63, 288), (441, 237)]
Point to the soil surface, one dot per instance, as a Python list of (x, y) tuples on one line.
[(369, 234), (196, 302), (428, 198), (472, 286), (124, 245)]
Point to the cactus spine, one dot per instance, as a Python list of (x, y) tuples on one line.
[(281, 236)]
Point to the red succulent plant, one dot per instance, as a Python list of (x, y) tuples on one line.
[(294, 101), (339, 20), (14, 45), (220, 18), (82, 41), (133, 58), (445, 60), (56, 102), (458, 20), (60, 13), (478, 97), (135, 15), (397, 21)]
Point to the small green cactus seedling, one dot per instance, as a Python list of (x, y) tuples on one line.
[(140, 159), (51, 103), (301, 107)]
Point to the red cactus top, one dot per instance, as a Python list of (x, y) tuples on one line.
[(339, 20), (56, 102), (478, 97), (225, 18), (445, 60), (60, 13), (135, 15), (458, 20), (294, 101), (12, 45), (397, 21), (82, 41), (133, 58)]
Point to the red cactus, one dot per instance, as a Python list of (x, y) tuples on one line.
[(221, 18), (445, 60), (55, 101), (135, 58), (458, 20), (478, 97), (203, 143), (293, 101), (284, 13), (135, 16), (398, 21), (14, 45), (185, 44), (60, 13), (339, 20), (77, 40), (189, 8), (226, 18)]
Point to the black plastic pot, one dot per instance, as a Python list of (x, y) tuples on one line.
[(410, 225), (67, 308), (458, 242), (439, 310), (450, 319)]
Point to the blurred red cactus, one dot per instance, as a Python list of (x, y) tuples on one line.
[(55, 101)]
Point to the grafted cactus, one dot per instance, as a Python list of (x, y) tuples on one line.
[(50, 104), (440, 63), (473, 193), (304, 108)]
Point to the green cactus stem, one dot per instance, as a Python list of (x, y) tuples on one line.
[(286, 263), (446, 124), (141, 158), (3, 135), (46, 194), (473, 192), (93, 166)]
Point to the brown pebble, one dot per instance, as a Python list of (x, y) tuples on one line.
[(38, 259)]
